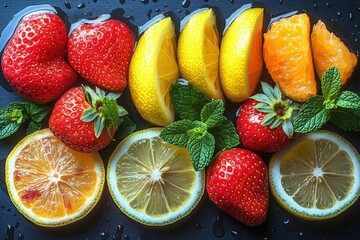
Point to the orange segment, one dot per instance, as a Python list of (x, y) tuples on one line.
[(329, 51), (51, 184), (287, 56)]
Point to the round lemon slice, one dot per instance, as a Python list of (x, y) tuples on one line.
[(153, 182), (317, 176), (51, 184)]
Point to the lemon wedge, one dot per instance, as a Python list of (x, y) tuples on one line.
[(152, 71), (198, 52), (241, 54)]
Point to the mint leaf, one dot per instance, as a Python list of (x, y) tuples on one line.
[(127, 127), (348, 99), (347, 119), (312, 115), (14, 112), (225, 134), (36, 112), (177, 132), (8, 129), (201, 150), (331, 84), (187, 101), (212, 112), (32, 127)]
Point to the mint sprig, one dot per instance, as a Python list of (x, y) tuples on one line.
[(342, 108), (18, 113), (202, 127)]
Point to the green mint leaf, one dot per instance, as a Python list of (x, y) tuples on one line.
[(199, 130), (14, 112), (331, 84), (126, 128), (346, 118), (177, 132), (36, 112), (187, 101), (201, 150), (312, 115), (32, 127), (8, 129), (110, 112), (212, 112), (225, 134), (348, 99)]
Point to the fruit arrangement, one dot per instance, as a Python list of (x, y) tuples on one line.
[(181, 79)]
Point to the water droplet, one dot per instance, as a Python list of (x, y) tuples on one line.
[(122, 1), (100, 223), (108, 207), (218, 228), (20, 236), (198, 226), (316, 7), (148, 14), (339, 14), (157, 10), (108, 219), (355, 39), (287, 221), (119, 232), (144, 1), (67, 5), (5, 5), (281, 2), (155, 0), (94, 1), (81, 5), (185, 3), (179, 10), (165, 5), (126, 237), (17, 224), (232, 1), (187, 12), (236, 235), (351, 16), (9, 232), (329, 4), (302, 236), (104, 235)]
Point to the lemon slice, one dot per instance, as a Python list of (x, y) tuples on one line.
[(317, 176), (51, 184), (153, 182), (152, 71), (241, 54), (198, 52)]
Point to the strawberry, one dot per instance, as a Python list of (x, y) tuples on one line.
[(237, 183), (264, 122), (100, 52), (33, 61), (86, 120)]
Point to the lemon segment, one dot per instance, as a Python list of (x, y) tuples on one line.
[(152, 71), (317, 176), (198, 52), (153, 182), (51, 184), (241, 55)]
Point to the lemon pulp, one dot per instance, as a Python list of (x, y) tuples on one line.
[(153, 182)]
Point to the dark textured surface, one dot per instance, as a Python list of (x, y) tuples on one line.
[(105, 219)]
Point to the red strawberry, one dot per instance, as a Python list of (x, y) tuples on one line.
[(86, 120), (264, 121), (237, 182), (101, 52), (33, 61)]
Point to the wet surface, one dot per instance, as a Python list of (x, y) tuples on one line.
[(206, 222)]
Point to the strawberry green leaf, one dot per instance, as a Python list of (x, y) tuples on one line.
[(177, 132), (99, 125), (201, 150), (225, 134), (348, 99), (187, 101), (331, 84), (89, 115), (212, 112), (346, 118), (312, 115)]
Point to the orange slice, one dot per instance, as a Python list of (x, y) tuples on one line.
[(51, 184)]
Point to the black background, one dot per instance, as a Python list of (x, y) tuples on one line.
[(104, 220)]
